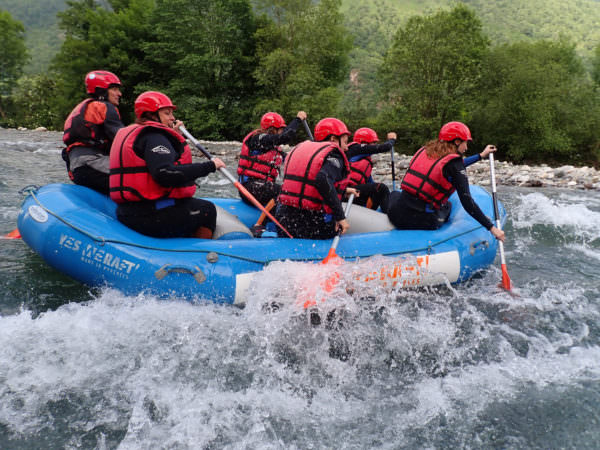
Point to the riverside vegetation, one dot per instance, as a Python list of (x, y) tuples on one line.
[(507, 173), (225, 62)]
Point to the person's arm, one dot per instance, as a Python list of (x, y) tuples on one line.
[(478, 157), (331, 171), (112, 122), (263, 142), (369, 149), (160, 157), (455, 172)]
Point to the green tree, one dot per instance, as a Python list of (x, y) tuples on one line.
[(596, 66), (202, 56), (13, 55), (536, 104), (431, 70), (107, 39), (303, 51), (32, 102)]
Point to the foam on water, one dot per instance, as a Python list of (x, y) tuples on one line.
[(146, 373)]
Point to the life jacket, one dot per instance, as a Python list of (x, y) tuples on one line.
[(130, 180), (79, 132), (424, 178), (301, 167), (264, 166), (361, 166)]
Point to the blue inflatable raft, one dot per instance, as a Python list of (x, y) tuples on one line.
[(75, 230)]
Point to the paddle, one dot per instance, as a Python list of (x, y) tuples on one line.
[(14, 234), (506, 283), (333, 258), (307, 129), (393, 171), (236, 183), (332, 255)]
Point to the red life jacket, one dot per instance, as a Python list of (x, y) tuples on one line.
[(264, 166), (130, 180), (424, 178), (301, 167), (361, 169), (79, 132)]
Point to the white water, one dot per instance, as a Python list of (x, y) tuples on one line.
[(466, 366)]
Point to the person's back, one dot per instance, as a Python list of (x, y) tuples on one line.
[(90, 129), (315, 178)]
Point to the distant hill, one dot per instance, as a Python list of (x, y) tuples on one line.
[(373, 22), (42, 35)]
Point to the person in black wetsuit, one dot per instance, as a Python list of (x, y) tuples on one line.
[(314, 181), (261, 158), (90, 129), (364, 144), (434, 173), (152, 175)]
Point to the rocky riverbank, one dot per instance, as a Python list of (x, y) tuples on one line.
[(509, 174)]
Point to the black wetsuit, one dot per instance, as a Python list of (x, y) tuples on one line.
[(411, 213), (308, 224), (372, 195), (264, 190), (168, 217)]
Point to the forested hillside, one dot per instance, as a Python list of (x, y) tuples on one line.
[(373, 22), (43, 37)]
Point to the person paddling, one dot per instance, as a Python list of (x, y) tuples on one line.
[(90, 129), (435, 172), (316, 176), (152, 174), (364, 144)]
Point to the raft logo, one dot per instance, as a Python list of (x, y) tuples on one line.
[(99, 258)]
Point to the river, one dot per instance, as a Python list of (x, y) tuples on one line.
[(469, 366)]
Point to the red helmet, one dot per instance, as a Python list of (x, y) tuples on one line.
[(271, 119), (151, 101), (330, 126), (100, 79), (365, 135), (455, 130)]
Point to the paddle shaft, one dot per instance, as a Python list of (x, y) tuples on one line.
[(307, 129), (235, 182), (336, 239), (496, 212), (393, 171)]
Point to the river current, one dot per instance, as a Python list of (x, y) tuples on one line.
[(467, 366)]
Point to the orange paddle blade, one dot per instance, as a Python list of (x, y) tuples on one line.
[(506, 283), (14, 234)]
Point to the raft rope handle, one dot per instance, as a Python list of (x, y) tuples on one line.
[(103, 241)]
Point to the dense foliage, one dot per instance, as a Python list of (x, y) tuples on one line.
[(13, 54), (225, 62), (431, 71)]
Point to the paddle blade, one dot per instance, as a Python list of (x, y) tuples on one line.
[(332, 257), (506, 283), (14, 234)]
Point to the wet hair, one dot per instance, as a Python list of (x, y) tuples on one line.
[(436, 149)]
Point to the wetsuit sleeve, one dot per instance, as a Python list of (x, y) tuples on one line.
[(471, 160), (263, 142), (456, 174), (331, 171), (160, 157), (112, 122), (369, 149)]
